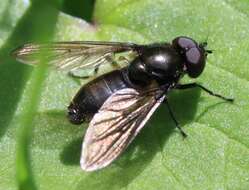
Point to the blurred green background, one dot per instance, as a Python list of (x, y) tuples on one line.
[(40, 149)]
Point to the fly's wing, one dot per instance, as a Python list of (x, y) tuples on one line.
[(72, 56), (114, 127)]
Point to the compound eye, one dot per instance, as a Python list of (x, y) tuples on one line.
[(195, 61), (184, 43)]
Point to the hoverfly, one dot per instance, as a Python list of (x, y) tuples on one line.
[(119, 103)]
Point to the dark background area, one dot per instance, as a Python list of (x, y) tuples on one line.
[(71, 7)]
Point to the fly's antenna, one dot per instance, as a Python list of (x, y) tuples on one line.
[(207, 37), (204, 44)]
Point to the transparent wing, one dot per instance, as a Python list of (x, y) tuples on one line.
[(114, 127), (72, 56)]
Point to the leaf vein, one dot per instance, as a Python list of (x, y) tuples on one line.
[(225, 134)]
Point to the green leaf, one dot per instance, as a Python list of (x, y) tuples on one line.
[(214, 156)]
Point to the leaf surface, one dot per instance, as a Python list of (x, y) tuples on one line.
[(216, 153)]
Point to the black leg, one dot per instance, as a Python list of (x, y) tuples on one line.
[(196, 85), (174, 119)]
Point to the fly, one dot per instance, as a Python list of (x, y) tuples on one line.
[(118, 104)]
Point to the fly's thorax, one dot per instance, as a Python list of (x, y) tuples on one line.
[(137, 73), (161, 63)]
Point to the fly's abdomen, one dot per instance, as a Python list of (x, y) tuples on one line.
[(91, 97)]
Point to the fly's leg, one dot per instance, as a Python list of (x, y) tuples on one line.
[(108, 59), (174, 119), (196, 85), (111, 60), (72, 75), (158, 97), (124, 59), (117, 65), (95, 72)]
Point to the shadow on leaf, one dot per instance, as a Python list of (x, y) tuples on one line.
[(71, 153), (209, 109), (53, 131)]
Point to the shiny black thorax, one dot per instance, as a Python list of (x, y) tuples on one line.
[(159, 62), (156, 62)]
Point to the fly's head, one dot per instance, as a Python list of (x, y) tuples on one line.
[(194, 55)]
